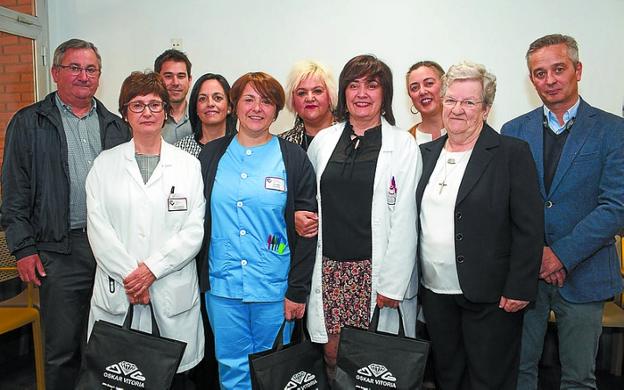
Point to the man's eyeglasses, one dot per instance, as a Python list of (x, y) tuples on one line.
[(154, 106), (75, 70), (465, 104)]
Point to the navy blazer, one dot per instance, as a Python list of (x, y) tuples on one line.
[(585, 207), (498, 218)]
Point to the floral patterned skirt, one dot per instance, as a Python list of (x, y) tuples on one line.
[(346, 293)]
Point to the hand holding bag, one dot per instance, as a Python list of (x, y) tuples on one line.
[(368, 359), (118, 357), (295, 366)]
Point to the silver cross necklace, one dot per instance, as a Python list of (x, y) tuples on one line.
[(449, 161)]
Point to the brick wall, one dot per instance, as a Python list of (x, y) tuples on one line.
[(17, 82), (24, 6), (17, 86)]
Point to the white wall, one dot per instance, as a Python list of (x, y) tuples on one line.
[(232, 37)]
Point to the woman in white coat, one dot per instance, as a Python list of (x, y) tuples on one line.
[(367, 171), (145, 207)]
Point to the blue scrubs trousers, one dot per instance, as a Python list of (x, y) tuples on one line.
[(240, 329)]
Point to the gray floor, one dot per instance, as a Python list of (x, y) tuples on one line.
[(17, 370)]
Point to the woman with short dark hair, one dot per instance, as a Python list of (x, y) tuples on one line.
[(145, 210), (366, 172)]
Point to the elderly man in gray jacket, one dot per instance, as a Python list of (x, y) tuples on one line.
[(49, 149)]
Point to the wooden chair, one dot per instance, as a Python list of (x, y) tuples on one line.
[(621, 253), (20, 310)]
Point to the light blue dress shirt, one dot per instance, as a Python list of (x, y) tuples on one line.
[(553, 123)]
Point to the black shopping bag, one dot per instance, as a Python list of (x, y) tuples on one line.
[(295, 366), (118, 357), (372, 360)]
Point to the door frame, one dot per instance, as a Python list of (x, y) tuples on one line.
[(35, 28)]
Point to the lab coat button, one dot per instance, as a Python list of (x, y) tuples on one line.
[(243, 232), (243, 175), (548, 204), (239, 204), (460, 259), (243, 262), (248, 152)]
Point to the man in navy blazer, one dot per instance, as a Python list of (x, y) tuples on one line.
[(579, 153)]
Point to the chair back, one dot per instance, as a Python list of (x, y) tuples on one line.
[(621, 253), (19, 311), (8, 271), (620, 247)]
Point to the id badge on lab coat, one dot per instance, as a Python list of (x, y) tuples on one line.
[(176, 202)]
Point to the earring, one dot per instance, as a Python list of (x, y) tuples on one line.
[(414, 109)]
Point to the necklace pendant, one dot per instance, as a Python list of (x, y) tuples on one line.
[(451, 161), (442, 184)]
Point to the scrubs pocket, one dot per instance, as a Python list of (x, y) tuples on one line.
[(221, 259), (275, 266)]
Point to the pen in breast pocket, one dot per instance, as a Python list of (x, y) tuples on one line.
[(269, 241)]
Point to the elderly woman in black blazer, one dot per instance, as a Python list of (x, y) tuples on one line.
[(481, 238)]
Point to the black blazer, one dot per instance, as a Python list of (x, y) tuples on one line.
[(499, 218)]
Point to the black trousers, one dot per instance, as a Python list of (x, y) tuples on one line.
[(206, 374), (182, 381), (65, 294), (475, 346)]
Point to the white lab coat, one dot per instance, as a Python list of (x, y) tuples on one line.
[(129, 222), (394, 228)]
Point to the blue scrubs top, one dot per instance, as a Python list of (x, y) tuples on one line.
[(249, 257)]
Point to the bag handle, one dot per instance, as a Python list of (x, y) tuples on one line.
[(298, 335), (127, 324), (374, 323)]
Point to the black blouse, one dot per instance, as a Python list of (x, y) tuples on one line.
[(347, 195)]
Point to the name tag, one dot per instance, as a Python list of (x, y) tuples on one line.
[(176, 204), (275, 184), (391, 195)]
